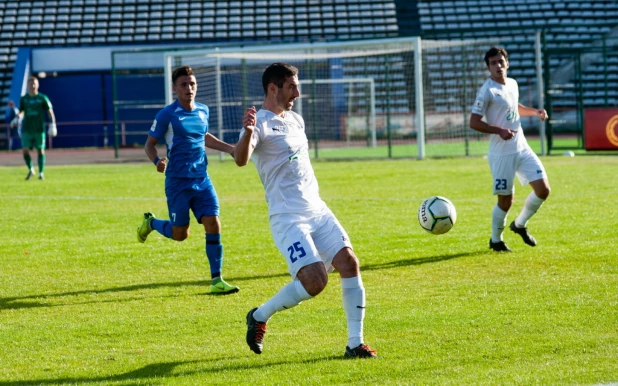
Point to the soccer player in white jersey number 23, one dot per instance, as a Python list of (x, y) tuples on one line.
[(306, 232), (509, 152)]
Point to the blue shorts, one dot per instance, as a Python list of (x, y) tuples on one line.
[(197, 194)]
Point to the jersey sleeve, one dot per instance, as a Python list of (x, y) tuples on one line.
[(481, 102), (22, 105), (160, 125), (47, 103)]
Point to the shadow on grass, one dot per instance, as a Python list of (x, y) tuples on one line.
[(162, 371), (417, 261), (23, 302)]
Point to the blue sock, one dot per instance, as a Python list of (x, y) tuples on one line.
[(214, 252), (162, 226)]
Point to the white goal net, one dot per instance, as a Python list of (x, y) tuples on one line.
[(359, 99)]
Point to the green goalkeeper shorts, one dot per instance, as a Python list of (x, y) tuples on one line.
[(33, 141)]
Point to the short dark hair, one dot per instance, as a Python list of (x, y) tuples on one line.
[(181, 71), (493, 51), (277, 73), (33, 77)]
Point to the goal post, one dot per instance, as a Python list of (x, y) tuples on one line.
[(401, 97), (365, 127)]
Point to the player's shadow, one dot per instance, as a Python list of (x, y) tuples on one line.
[(165, 370), (417, 261), (46, 300)]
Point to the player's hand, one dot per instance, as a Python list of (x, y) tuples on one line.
[(542, 114), (506, 134), (162, 165), (15, 122), (249, 119), (52, 130)]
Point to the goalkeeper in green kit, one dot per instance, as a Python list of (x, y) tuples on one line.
[(33, 108)]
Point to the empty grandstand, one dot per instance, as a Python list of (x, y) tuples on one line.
[(579, 41)]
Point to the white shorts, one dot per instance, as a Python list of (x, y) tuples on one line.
[(308, 238), (525, 164)]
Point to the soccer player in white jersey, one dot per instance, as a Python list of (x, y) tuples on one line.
[(509, 152), (306, 232)]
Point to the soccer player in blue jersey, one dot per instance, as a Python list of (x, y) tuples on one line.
[(183, 125)]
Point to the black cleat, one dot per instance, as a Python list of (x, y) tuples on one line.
[(362, 351), (523, 232), (255, 333), (500, 246)]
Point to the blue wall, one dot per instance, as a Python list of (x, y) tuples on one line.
[(88, 97)]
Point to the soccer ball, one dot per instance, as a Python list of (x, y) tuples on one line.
[(437, 215)]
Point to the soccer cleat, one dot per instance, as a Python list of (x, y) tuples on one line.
[(30, 174), (255, 333), (500, 246), (221, 287), (41, 176), (523, 232), (362, 351), (144, 230)]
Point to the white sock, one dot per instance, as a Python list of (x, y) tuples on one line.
[(354, 306), (531, 206), (289, 296), (498, 222)]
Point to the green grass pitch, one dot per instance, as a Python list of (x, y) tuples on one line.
[(82, 302)]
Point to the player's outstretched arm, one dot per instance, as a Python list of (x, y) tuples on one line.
[(476, 123), (215, 143), (244, 148)]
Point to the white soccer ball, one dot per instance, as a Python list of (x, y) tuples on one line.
[(437, 215)]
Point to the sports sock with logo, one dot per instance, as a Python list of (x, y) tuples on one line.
[(354, 306), (498, 222), (214, 252)]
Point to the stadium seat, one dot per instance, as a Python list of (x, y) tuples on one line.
[(145, 21)]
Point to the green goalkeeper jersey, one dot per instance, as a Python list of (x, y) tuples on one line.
[(35, 109)]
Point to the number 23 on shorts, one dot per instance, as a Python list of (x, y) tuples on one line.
[(500, 183), (296, 252)]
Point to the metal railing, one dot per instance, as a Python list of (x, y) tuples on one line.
[(98, 134)]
